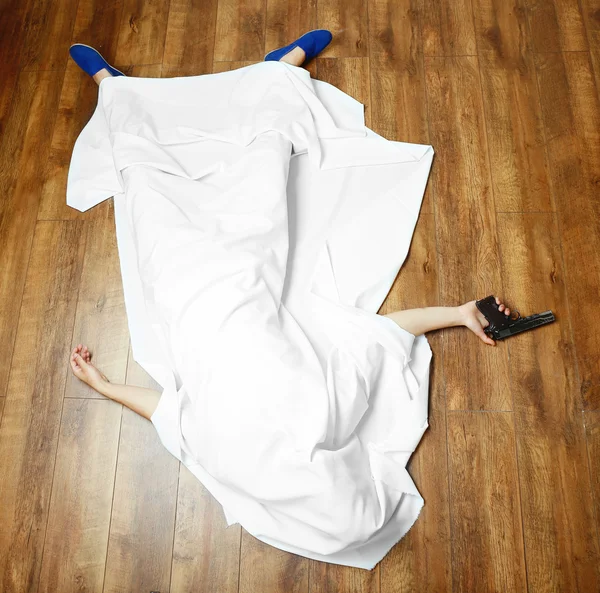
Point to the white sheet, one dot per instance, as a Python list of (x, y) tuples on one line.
[(260, 226)]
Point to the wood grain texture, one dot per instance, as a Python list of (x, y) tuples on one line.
[(348, 21), (140, 551), (332, 578), (240, 31), (140, 545), (592, 430), (32, 411), (350, 75), (556, 496), (142, 32), (571, 122), (23, 149), (206, 553), (512, 108), (190, 37), (48, 26), (11, 45), (464, 205), (421, 561), (95, 25), (398, 101), (263, 568), (487, 546), (287, 20), (556, 25), (227, 66), (82, 495), (448, 28), (101, 320)]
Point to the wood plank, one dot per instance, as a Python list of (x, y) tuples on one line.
[(556, 25), (31, 418), (592, 430), (140, 546), (240, 31), (348, 21), (421, 561), (142, 32), (11, 42), (206, 553), (476, 374), (47, 37), (448, 28), (23, 149), (571, 122), (332, 578), (268, 569), (512, 108), (556, 498), (287, 20), (2, 399), (487, 544), (350, 75), (591, 17), (398, 101), (96, 24), (190, 37), (227, 66), (82, 494), (101, 320)]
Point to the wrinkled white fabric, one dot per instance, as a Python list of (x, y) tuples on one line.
[(260, 226)]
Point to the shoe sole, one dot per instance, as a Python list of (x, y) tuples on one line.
[(101, 56), (307, 33)]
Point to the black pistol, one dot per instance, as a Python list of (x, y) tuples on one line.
[(503, 326)]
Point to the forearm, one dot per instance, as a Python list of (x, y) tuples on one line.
[(139, 399), (426, 319)]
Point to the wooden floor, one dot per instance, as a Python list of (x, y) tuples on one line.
[(507, 93)]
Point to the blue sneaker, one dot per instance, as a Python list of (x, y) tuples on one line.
[(313, 43), (90, 61)]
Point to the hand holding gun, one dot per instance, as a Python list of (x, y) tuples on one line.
[(503, 326)]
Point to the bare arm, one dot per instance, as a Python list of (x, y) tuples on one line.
[(426, 319)]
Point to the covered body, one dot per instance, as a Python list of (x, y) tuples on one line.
[(260, 226)]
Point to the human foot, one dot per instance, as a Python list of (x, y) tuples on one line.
[(84, 370), (296, 57), (92, 63), (474, 319), (101, 75)]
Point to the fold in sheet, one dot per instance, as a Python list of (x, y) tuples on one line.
[(260, 226)]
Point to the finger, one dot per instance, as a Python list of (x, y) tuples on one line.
[(507, 311), (497, 301), (501, 307), (486, 338)]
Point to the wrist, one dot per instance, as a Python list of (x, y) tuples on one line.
[(102, 387), (460, 315)]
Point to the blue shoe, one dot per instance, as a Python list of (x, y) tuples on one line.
[(90, 61), (313, 43)]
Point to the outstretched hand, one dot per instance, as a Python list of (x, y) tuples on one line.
[(474, 319)]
